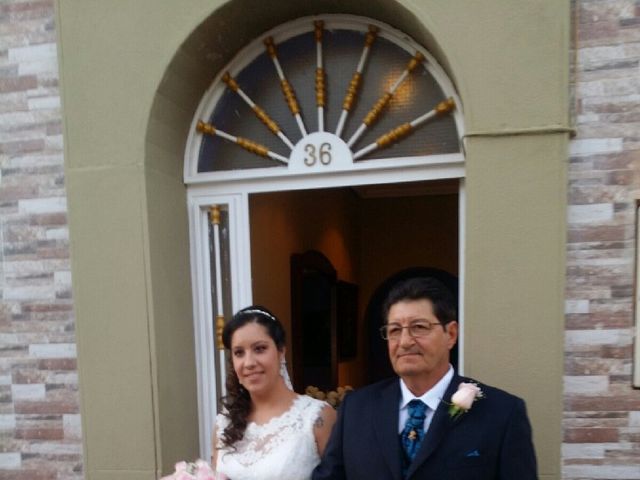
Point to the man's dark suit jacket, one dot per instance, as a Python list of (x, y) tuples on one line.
[(492, 441)]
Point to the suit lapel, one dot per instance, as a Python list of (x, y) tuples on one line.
[(386, 427), (441, 424)]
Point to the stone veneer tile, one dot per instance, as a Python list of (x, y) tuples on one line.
[(60, 350), (28, 392), (39, 404), (576, 306), (7, 422), (586, 384), (28, 474), (616, 337), (598, 212), (591, 435), (579, 366), (10, 460), (32, 53), (604, 472), (604, 174), (592, 146), (43, 205), (72, 427), (54, 448), (584, 450)]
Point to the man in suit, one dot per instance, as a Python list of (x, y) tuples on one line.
[(407, 427)]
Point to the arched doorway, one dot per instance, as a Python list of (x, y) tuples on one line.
[(330, 103)]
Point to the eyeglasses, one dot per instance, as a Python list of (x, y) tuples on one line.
[(393, 331)]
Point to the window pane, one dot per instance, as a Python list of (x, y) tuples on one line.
[(342, 49)]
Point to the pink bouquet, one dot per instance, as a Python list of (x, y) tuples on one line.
[(198, 470)]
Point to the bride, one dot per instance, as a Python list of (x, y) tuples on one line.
[(266, 430)]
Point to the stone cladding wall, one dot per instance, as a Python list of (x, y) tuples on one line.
[(40, 434), (602, 410)]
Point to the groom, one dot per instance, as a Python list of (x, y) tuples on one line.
[(402, 428)]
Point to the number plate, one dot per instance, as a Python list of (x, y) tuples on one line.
[(320, 151)]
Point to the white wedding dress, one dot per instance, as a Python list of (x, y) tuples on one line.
[(284, 448)]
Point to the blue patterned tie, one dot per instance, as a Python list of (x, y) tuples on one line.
[(413, 433)]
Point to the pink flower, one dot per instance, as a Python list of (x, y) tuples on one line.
[(198, 470), (466, 394), (463, 399), (203, 471), (181, 467)]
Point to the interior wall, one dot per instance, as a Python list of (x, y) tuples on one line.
[(366, 240), (399, 233), (294, 222)]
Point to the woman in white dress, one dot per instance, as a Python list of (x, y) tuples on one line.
[(266, 430)]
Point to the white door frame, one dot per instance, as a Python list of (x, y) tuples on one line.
[(234, 195), (231, 189)]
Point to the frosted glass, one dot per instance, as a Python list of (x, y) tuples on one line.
[(341, 52)]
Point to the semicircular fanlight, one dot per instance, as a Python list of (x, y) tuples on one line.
[(361, 89)]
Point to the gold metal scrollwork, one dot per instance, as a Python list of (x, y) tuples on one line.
[(249, 145), (400, 131), (351, 95), (214, 214), (253, 147), (352, 91), (266, 119), (417, 59), (376, 110), (320, 87), (271, 47), (271, 124), (219, 329), (290, 96), (394, 135), (371, 35), (319, 26), (445, 106), (230, 82), (207, 128)]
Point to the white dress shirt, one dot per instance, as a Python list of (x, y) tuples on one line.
[(431, 397)]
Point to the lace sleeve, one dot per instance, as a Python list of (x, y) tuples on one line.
[(220, 424), (313, 409)]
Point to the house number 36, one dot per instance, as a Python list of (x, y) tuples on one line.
[(317, 153)]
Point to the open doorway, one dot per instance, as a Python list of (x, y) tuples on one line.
[(367, 233)]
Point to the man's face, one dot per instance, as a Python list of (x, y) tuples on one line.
[(424, 357)]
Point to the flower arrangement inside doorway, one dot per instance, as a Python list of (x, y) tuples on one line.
[(198, 470), (333, 397), (463, 399)]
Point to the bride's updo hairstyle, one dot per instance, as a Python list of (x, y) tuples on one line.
[(237, 402)]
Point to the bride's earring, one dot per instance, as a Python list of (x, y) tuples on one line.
[(285, 374)]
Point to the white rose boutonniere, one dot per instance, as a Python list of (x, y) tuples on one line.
[(463, 399)]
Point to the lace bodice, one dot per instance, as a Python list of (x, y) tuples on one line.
[(284, 448)]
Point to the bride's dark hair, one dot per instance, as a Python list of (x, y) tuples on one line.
[(237, 402)]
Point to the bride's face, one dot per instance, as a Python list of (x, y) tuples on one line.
[(256, 359)]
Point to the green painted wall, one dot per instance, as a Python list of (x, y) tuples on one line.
[(132, 74), (514, 288)]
